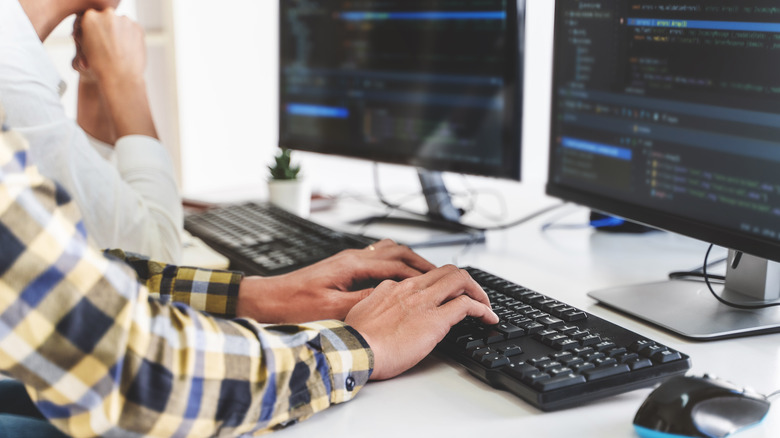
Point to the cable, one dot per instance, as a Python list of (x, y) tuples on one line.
[(512, 224), (723, 301), (773, 395), (697, 272), (683, 275)]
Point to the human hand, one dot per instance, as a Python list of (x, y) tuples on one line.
[(403, 322), (108, 46), (111, 59), (328, 289), (79, 62)]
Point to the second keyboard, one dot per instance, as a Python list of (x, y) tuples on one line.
[(261, 239)]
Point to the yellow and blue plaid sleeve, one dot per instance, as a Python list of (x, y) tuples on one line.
[(100, 357), (211, 291)]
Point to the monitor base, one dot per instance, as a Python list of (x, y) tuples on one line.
[(440, 226), (402, 230), (688, 309)]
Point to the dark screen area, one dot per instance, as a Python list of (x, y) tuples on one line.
[(668, 112), (433, 84)]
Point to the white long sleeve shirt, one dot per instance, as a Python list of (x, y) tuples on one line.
[(128, 199)]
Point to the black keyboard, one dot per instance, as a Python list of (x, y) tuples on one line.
[(261, 239), (553, 355)]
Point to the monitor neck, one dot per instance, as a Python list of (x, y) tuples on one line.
[(753, 277), (440, 207)]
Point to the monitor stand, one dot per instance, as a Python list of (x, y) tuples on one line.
[(689, 309), (442, 216)]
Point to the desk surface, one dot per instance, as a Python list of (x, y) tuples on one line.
[(439, 398)]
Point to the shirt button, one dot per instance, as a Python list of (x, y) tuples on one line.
[(350, 383)]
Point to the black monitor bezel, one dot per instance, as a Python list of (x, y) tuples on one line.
[(510, 167), (718, 235)]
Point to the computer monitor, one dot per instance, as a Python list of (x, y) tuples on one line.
[(668, 113), (434, 84)]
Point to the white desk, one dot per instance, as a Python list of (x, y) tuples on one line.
[(439, 398)]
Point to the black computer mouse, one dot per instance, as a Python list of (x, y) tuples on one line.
[(688, 406)]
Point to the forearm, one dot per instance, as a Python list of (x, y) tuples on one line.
[(93, 115), (128, 104)]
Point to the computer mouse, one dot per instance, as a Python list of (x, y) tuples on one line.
[(691, 406)]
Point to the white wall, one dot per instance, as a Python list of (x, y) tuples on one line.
[(227, 58), (227, 64)]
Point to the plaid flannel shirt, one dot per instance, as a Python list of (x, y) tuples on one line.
[(101, 356)]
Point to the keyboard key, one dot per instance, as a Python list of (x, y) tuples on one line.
[(470, 341), (652, 350), (550, 366), (574, 316), (494, 360), (665, 356), (639, 363), (494, 336), (477, 352), (604, 345), (536, 377), (511, 350), (590, 340), (584, 366), (558, 382), (550, 321), (509, 330), (617, 351), (520, 370), (562, 355), (531, 327), (638, 346), (606, 371), (539, 361), (566, 344)]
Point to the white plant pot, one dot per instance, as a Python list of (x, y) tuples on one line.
[(293, 195)]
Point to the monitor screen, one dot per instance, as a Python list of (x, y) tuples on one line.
[(430, 83), (668, 113)]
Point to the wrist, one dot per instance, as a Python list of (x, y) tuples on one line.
[(128, 104), (247, 303), (121, 83)]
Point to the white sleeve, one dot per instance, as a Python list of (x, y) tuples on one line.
[(104, 149), (134, 206)]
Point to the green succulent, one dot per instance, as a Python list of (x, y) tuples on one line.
[(283, 169)]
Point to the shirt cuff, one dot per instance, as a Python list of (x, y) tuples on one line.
[(139, 152), (349, 356)]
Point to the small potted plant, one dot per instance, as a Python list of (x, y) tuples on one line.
[(285, 188)]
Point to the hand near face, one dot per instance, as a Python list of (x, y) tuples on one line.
[(403, 322), (108, 46), (79, 62), (330, 288)]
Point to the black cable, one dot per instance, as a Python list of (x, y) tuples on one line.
[(723, 301), (683, 275), (697, 272)]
